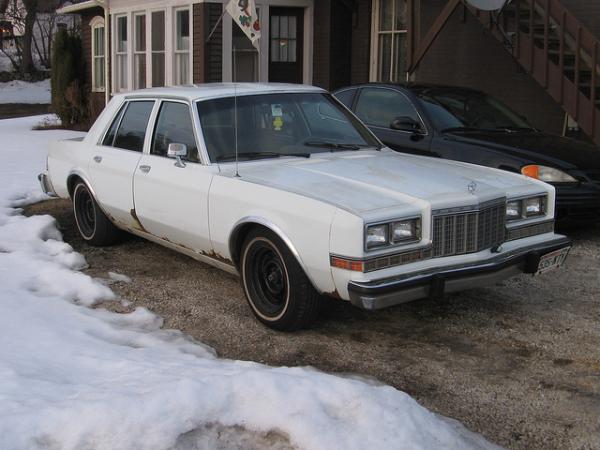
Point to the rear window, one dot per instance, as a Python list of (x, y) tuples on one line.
[(132, 127)]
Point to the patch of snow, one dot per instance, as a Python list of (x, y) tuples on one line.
[(75, 377), (18, 91), (119, 277)]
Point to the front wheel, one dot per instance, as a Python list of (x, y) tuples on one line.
[(93, 225), (279, 292)]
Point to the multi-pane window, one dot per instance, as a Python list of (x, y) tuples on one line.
[(158, 48), (390, 40), (283, 38), (139, 51), (244, 56), (182, 46), (121, 53), (98, 52)]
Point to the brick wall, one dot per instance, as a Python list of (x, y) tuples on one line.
[(361, 42), (322, 43), (198, 37)]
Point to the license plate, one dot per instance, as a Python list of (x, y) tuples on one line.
[(553, 260)]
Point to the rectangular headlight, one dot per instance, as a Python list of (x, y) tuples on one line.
[(526, 207), (534, 206), (377, 236), (514, 210), (405, 230)]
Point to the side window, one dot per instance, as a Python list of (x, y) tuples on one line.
[(132, 130), (109, 138), (346, 97), (378, 107), (174, 125)]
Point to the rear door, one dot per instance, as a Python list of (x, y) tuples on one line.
[(171, 200), (379, 106), (115, 158)]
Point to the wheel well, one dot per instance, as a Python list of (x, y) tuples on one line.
[(238, 238), (71, 182)]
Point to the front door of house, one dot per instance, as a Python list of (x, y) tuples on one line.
[(286, 38)]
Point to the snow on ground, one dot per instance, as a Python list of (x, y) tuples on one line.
[(76, 377), (18, 91)]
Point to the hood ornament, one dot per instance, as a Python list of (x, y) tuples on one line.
[(472, 187)]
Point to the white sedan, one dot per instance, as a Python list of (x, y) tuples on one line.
[(282, 185)]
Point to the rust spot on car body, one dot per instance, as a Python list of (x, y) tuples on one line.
[(214, 255), (335, 294), (136, 222)]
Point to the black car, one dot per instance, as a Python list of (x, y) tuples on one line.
[(471, 126)]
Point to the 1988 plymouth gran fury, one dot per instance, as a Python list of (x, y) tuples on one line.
[(314, 204)]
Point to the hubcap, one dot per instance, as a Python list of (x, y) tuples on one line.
[(85, 212)]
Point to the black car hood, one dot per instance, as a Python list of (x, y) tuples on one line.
[(537, 146)]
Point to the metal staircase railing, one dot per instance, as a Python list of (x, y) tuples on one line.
[(559, 52)]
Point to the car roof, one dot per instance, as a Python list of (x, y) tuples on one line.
[(416, 87), (215, 90)]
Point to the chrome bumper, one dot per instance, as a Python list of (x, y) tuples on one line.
[(46, 184), (434, 283)]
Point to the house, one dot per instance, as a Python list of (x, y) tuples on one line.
[(536, 55)]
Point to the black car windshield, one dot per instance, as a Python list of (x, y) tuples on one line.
[(282, 124), (471, 110)]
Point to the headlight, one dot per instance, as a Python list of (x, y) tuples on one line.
[(392, 233), (377, 236), (547, 174), (406, 230), (526, 207)]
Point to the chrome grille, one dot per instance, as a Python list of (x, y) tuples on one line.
[(469, 231)]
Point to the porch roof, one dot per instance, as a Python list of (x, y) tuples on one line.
[(77, 7)]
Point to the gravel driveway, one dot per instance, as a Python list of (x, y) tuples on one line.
[(518, 362)]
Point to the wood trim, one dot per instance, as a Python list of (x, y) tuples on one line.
[(433, 33)]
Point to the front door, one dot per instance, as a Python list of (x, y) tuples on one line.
[(286, 38)]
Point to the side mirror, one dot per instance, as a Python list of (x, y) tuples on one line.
[(405, 124), (177, 151)]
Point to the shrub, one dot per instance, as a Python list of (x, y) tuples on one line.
[(68, 73)]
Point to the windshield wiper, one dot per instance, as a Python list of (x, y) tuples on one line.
[(336, 146), (452, 129), (512, 128), (258, 155)]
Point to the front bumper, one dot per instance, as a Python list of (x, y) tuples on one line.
[(434, 283), (46, 184)]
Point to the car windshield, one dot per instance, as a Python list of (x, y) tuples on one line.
[(283, 124), (455, 110)]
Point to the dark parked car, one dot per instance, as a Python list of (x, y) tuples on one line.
[(469, 125)]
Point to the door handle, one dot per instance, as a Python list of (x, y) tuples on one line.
[(145, 169), (98, 159)]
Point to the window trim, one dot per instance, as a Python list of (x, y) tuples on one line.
[(96, 23), (357, 99), (189, 51), (375, 33), (127, 52), (123, 107), (135, 52), (151, 52)]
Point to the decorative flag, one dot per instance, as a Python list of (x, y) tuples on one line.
[(244, 14)]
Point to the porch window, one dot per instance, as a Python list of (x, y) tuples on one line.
[(98, 82), (244, 54), (389, 43), (182, 46), (139, 50), (121, 53), (283, 38), (158, 48)]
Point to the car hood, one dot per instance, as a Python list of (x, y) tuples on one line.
[(374, 180), (539, 147)]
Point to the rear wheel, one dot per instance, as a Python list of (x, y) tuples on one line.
[(279, 292), (93, 225)]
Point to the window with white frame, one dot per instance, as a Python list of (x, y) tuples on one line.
[(98, 54), (139, 50), (158, 48), (244, 55), (121, 53), (389, 50), (181, 74)]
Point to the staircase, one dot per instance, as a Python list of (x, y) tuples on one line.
[(557, 51)]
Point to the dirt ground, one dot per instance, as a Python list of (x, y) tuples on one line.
[(518, 362), (10, 110)]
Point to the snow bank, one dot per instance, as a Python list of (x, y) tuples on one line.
[(18, 91), (75, 377)]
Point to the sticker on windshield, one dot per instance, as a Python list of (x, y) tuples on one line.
[(278, 123), (276, 110)]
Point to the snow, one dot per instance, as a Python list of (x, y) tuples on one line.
[(76, 376), (18, 91)]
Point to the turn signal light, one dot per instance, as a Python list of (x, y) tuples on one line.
[(347, 264), (532, 171)]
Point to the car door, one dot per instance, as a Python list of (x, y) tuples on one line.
[(171, 199), (115, 159), (378, 107)]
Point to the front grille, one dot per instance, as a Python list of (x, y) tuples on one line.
[(469, 231), (529, 230)]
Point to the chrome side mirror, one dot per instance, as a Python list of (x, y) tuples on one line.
[(177, 151)]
